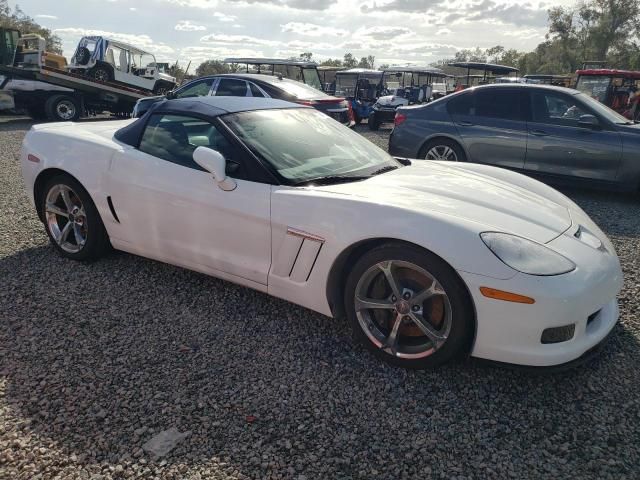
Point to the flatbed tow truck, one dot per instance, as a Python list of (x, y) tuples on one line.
[(58, 95)]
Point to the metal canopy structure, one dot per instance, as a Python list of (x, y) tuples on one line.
[(270, 61), (485, 68)]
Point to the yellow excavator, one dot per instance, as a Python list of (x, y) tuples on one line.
[(31, 53)]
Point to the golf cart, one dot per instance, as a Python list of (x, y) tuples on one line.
[(298, 70), (110, 60), (489, 72), (613, 88), (361, 86), (328, 78), (556, 80), (402, 86)]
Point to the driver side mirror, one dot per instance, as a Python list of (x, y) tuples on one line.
[(171, 95), (214, 162), (588, 121)]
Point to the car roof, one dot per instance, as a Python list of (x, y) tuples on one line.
[(496, 86), (215, 106), (270, 61)]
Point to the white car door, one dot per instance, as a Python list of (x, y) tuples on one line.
[(170, 209)]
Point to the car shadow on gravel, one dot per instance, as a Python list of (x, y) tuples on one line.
[(97, 358)]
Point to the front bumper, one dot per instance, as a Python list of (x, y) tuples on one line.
[(586, 298)]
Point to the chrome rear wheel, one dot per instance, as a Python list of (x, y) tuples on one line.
[(66, 218), (441, 152)]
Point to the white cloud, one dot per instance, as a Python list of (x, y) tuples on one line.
[(188, 26), (313, 30), (223, 17), (47, 17), (240, 39)]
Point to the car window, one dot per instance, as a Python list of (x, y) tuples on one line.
[(556, 109), (231, 87), (461, 104), (174, 138), (255, 91), (498, 103), (196, 89)]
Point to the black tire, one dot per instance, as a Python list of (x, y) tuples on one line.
[(442, 143), (101, 73), (461, 319), (96, 242), (374, 123), (62, 108), (83, 56)]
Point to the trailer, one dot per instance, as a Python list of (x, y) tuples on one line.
[(58, 95)]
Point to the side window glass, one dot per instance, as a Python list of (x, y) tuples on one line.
[(503, 104), (174, 138), (556, 109), (196, 89), (462, 104), (230, 87), (255, 91)]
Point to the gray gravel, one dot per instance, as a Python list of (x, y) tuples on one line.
[(95, 360)]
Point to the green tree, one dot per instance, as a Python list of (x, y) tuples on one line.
[(23, 22), (349, 61), (212, 67), (367, 62), (331, 62)]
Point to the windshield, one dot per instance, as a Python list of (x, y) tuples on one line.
[(603, 110), (311, 77), (346, 84), (304, 144), (594, 86)]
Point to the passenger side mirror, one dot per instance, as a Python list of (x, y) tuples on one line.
[(588, 121), (214, 162), (170, 95)]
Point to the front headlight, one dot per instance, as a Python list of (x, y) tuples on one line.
[(526, 256)]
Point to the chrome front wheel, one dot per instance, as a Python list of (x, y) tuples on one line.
[(408, 306), (403, 309)]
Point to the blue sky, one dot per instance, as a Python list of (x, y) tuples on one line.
[(394, 31)]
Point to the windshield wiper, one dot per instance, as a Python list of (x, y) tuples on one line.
[(332, 179), (386, 169)]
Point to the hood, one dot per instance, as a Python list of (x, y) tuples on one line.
[(494, 204), (167, 77)]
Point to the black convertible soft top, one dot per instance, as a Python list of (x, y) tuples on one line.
[(202, 107)]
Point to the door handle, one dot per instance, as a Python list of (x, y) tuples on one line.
[(465, 124), (539, 133)]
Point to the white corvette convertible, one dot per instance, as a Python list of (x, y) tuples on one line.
[(426, 260)]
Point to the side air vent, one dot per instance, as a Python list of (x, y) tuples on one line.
[(113, 210), (297, 255)]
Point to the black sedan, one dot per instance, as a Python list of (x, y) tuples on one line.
[(557, 134), (255, 85)]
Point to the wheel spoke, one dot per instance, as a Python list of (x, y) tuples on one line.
[(53, 208), (64, 193), (78, 234), (65, 233), (434, 335), (391, 343), (433, 291), (447, 153), (372, 304), (387, 269)]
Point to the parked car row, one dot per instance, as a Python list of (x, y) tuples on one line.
[(553, 133)]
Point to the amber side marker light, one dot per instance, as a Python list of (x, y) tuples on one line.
[(33, 158), (506, 296)]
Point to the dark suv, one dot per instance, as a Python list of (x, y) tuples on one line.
[(552, 132)]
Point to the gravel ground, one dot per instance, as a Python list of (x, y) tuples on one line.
[(97, 359)]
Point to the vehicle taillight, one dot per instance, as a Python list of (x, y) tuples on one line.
[(308, 103), (399, 119), (352, 117)]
